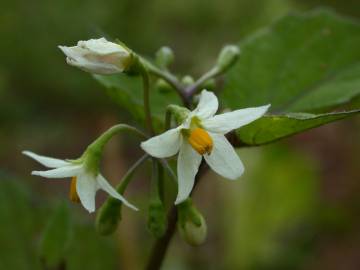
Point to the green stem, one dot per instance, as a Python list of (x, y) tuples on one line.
[(168, 114), (194, 88), (100, 142), (146, 88), (169, 78), (109, 215), (92, 154)]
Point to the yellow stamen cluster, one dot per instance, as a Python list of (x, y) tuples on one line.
[(73, 195), (201, 141)]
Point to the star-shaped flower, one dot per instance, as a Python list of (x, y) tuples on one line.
[(84, 181), (202, 135)]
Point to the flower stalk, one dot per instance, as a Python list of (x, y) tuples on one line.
[(109, 214)]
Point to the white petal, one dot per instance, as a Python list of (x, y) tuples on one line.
[(223, 123), (47, 161), (187, 167), (62, 172), (208, 105), (86, 187), (164, 145), (103, 184), (102, 46), (223, 158)]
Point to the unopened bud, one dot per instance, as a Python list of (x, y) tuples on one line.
[(187, 80), (191, 224), (157, 218), (164, 57), (209, 84), (228, 56), (162, 86), (98, 56), (193, 234), (180, 113), (108, 217)]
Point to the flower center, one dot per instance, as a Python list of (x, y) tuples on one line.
[(201, 141), (73, 195)]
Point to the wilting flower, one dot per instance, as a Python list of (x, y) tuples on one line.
[(202, 135), (98, 56), (84, 180)]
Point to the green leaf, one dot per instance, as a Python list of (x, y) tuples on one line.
[(56, 237), (127, 92), (274, 127), (302, 63)]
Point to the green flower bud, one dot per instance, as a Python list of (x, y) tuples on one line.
[(187, 80), (193, 234), (108, 217), (180, 113), (209, 84), (157, 222), (227, 57), (162, 86), (191, 223), (164, 57)]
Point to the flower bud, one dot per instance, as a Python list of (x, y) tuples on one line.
[(180, 113), (227, 57), (108, 217), (210, 84), (164, 57), (157, 218), (163, 86), (187, 80), (191, 224), (193, 234), (98, 56)]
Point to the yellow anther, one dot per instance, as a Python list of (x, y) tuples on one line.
[(73, 195), (201, 141)]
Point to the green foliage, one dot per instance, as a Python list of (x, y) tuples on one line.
[(303, 63), (127, 92), (274, 127), (18, 223), (23, 219), (273, 204), (56, 238)]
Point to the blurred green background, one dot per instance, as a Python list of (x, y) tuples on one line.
[(297, 206)]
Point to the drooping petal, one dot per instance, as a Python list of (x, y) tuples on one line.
[(47, 161), (103, 184), (164, 145), (187, 167), (223, 123), (86, 187), (62, 172), (208, 105), (223, 158)]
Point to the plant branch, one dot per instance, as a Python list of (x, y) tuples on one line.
[(161, 245), (169, 78), (146, 88), (194, 88)]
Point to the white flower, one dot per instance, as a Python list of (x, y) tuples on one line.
[(98, 56), (84, 183), (202, 135)]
